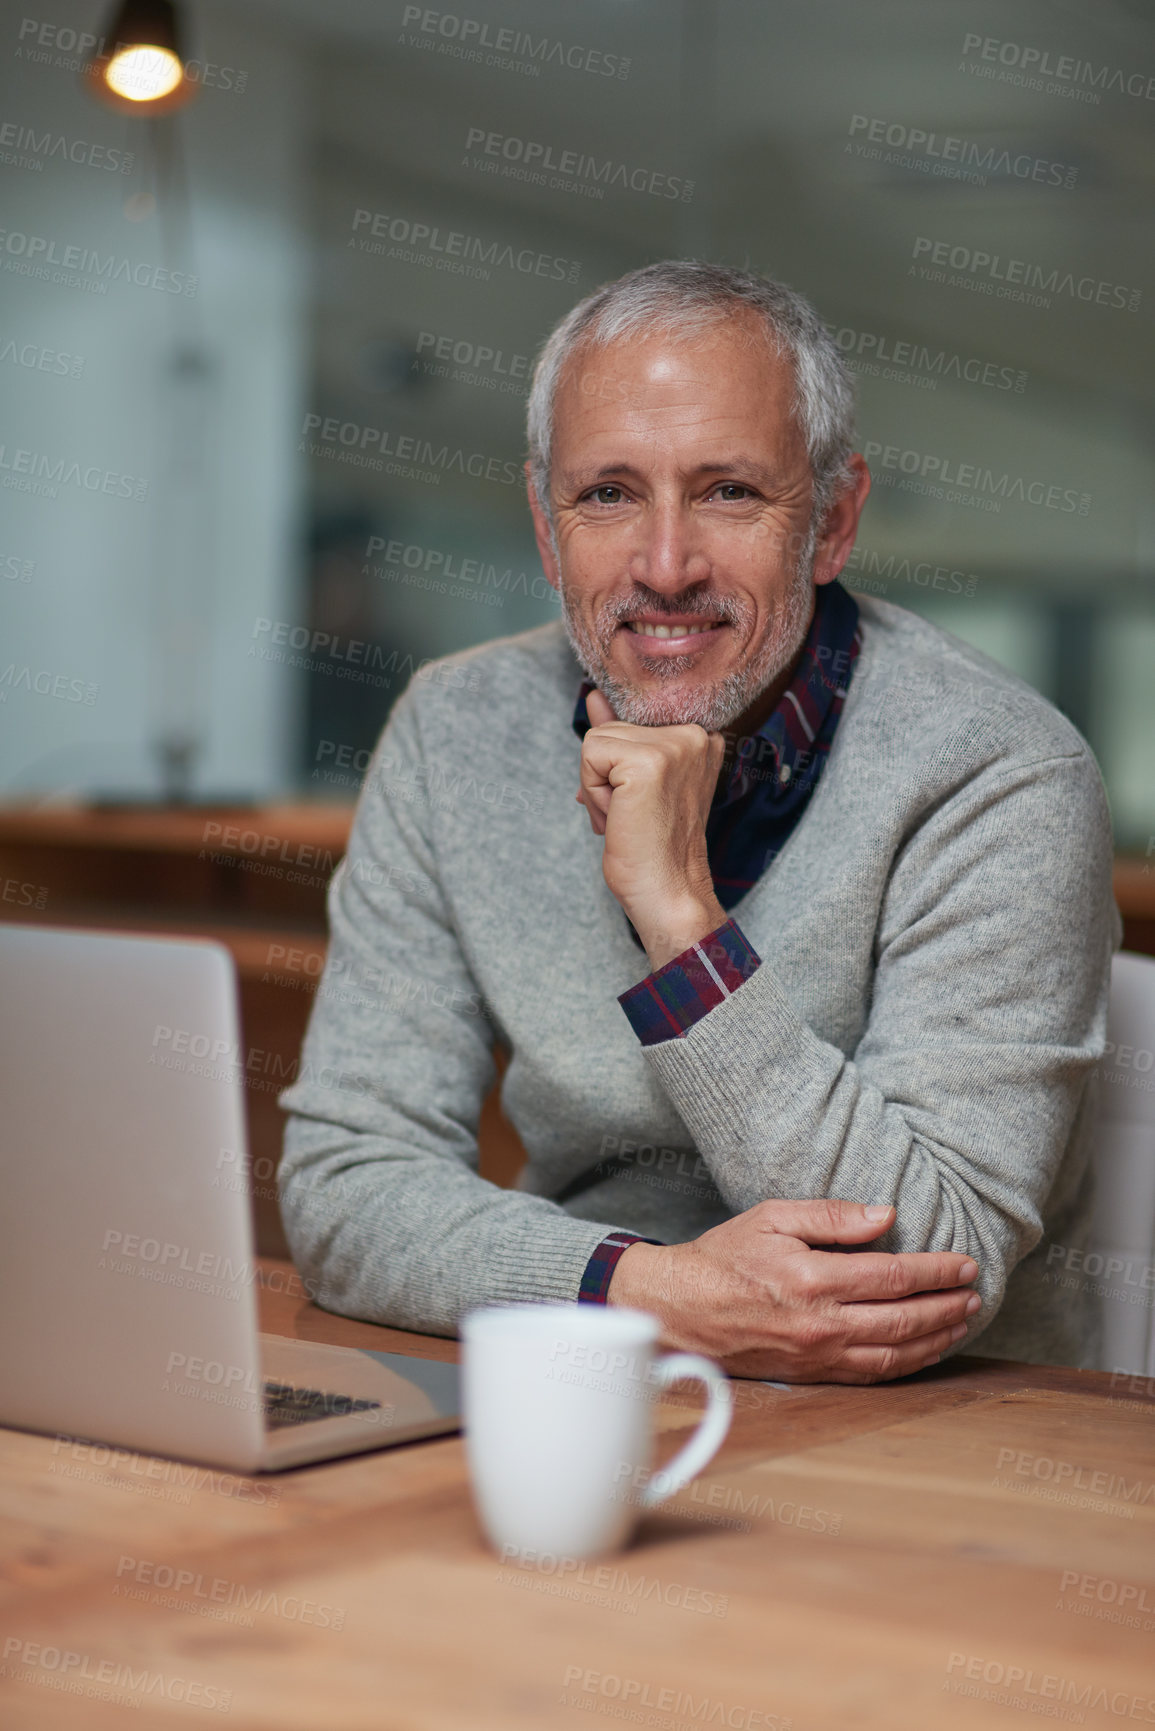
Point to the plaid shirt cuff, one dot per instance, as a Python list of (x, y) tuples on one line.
[(666, 1005), (600, 1267)]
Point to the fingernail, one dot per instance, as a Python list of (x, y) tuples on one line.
[(958, 1331), (974, 1302), (968, 1271), (929, 1361), (877, 1212)]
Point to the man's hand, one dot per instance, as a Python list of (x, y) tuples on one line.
[(648, 791), (755, 1295)]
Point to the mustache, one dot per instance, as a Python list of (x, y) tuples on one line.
[(722, 608)]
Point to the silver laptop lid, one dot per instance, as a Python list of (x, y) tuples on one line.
[(127, 1299)]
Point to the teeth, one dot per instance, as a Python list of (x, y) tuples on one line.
[(670, 630)]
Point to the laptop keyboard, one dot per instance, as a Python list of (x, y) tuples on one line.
[(287, 1405)]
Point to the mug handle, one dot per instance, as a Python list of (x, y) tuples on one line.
[(711, 1431)]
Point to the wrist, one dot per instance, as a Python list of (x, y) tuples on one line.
[(637, 1277), (669, 930)]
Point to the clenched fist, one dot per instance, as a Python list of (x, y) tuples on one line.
[(648, 791)]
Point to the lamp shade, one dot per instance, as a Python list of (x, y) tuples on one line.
[(140, 68)]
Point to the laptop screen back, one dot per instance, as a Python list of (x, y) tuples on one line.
[(127, 1304)]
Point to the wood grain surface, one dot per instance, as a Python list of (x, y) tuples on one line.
[(933, 1553)]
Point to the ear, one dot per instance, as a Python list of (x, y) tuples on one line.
[(541, 532), (841, 525)]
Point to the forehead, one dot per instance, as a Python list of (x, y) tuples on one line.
[(725, 382)]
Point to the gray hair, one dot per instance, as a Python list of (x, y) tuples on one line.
[(690, 298)]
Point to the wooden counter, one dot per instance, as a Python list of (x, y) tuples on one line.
[(920, 1556)]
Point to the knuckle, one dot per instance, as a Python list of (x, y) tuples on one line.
[(895, 1278), (897, 1326), (887, 1363), (806, 1278), (811, 1332)]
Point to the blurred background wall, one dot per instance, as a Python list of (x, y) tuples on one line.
[(238, 512)]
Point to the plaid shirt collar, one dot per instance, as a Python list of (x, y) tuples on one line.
[(781, 755)]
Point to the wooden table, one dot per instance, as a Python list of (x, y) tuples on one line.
[(854, 1558)]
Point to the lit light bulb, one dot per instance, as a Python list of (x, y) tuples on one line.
[(143, 73)]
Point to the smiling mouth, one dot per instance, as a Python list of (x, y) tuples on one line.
[(642, 630)]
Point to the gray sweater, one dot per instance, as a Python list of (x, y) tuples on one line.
[(935, 938)]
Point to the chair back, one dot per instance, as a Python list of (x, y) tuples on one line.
[(1120, 1258)]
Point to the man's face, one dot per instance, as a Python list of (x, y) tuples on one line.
[(682, 505)]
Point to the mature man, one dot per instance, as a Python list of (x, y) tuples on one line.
[(848, 881)]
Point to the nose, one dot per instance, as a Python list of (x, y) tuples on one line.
[(669, 556)]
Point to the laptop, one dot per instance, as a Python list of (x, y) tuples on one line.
[(128, 1276)]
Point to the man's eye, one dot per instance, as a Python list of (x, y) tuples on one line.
[(732, 490), (606, 495)]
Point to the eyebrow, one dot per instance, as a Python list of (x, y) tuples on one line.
[(741, 468)]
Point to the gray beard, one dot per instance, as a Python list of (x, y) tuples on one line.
[(717, 705)]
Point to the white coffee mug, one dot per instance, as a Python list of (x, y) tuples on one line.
[(558, 1403)]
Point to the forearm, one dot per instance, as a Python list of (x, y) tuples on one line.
[(952, 1091), (383, 1206), (391, 1236), (778, 1113)]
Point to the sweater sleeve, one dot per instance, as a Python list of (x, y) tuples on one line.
[(987, 1015), (383, 1207)]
